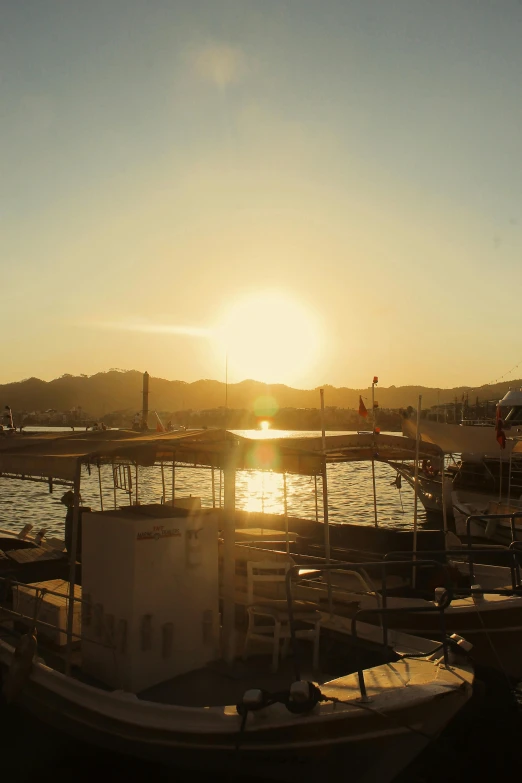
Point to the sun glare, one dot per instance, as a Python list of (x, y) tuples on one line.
[(264, 425), (269, 337)]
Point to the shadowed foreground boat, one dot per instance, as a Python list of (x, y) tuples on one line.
[(410, 702), (139, 672)]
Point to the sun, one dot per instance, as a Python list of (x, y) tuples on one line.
[(269, 337)]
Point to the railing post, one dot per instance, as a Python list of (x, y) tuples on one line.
[(355, 648), (443, 632), (293, 637), (384, 595), (72, 564), (470, 555)]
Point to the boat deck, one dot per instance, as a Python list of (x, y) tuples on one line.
[(220, 683)]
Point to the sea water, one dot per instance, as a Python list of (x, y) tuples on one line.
[(350, 492)]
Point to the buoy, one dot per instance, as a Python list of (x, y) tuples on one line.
[(20, 668)]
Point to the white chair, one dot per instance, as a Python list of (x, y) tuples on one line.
[(272, 608)]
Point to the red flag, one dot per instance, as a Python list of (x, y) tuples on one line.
[(499, 430), (362, 408)]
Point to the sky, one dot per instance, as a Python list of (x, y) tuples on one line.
[(304, 192)]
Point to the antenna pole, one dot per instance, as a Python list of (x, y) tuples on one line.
[(416, 486), (375, 380), (226, 390), (145, 409)]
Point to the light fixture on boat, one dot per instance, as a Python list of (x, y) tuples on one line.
[(461, 642), (477, 592), (442, 597), (303, 696), (253, 698)]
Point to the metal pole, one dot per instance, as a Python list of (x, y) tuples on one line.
[(325, 505), (213, 488), (163, 481), (316, 503), (415, 487), (373, 458), (285, 502), (72, 564), (226, 391), (229, 564), (100, 485), (136, 483), (376, 522), (114, 485), (444, 509), (323, 431), (173, 478), (509, 477), (145, 408), (500, 477), (220, 486)]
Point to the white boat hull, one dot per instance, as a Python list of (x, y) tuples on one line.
[(496, 530), (278, 746)]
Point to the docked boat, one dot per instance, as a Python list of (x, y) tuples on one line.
[(488, 519), (429, 484), (147, 667), (490, 619), (270, 732), (484, 473)]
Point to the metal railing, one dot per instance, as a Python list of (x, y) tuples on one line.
[(384, 611), (33, 621), (488, 518), (509, 552)]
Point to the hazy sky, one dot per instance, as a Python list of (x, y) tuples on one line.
[(171, 171)]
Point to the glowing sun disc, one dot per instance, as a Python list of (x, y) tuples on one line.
[(269, 337)]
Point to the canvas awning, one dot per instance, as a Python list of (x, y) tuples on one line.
[(459, 439), (48, 455)]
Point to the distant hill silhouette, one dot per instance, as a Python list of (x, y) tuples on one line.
[(120, 390)]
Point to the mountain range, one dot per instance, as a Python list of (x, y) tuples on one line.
[(121, 390)]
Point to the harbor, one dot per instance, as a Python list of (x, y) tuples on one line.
[(336, 564), (260, 431)]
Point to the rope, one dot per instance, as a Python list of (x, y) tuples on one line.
[(496, 380), (493, 648), (40, 595), (423, 655), (393, 719), (307, 705)]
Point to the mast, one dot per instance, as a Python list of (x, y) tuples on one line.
[(416, 486), (374, 382), (145, 408), (325, 504)]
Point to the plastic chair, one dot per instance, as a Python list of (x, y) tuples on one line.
[(272, 609)]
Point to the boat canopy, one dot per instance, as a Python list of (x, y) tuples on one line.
[(56, 456), (512, 398), (462, 439)]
